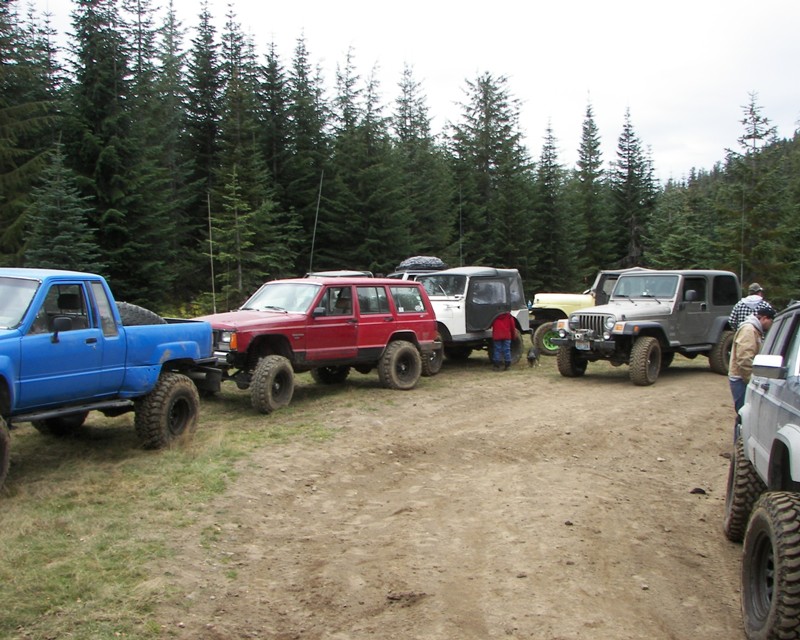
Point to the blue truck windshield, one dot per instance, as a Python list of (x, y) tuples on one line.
[(15, 298)]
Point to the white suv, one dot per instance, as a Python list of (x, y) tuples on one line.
[(762, 506)]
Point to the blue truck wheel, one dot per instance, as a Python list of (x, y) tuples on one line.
[(168, 412)]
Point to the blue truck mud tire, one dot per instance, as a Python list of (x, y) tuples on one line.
[(169, 412)]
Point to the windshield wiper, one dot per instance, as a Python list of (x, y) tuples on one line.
[(270, 307)]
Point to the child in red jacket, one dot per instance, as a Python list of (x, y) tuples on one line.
[(503, 329)]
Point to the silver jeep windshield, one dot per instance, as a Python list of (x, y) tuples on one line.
[(293, 297), (15, 298), (646, 286)]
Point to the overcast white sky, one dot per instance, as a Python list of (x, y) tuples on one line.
[(684, 68)]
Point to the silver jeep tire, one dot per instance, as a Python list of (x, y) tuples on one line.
[(645, 361), (720, 354), (570, 365)]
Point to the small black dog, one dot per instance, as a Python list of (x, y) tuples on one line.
[(533, 357)]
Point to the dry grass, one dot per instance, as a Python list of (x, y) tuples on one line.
[(83, 516)]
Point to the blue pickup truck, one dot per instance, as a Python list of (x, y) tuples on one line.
[(67, 348)]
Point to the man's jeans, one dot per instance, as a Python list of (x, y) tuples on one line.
[(738, 389)]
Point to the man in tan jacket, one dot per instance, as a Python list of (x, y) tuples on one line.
[(746, 344)]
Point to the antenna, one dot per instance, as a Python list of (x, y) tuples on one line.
[(211, 255), (316, 218)]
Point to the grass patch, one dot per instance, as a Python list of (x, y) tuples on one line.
[(83, 517)]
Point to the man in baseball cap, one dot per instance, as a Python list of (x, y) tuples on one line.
[(746, 305)]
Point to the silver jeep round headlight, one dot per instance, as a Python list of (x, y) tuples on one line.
[(574, 322), (610, 322)]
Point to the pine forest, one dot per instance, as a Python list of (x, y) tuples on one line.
[(183, 164)]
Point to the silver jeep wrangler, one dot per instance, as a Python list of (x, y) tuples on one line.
[(650, 317), (762, 506)]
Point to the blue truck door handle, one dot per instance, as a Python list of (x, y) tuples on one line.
[(91, 340)]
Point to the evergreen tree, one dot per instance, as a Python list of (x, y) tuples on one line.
[(684, 230), (201, 139), (592, 231), (29, 84), (185, 246), (58, 233), (493, 178), (251, 244), (275, 120), (239, 124), (751, 201), (634, 192), (98, 138), (425, 179), (555, 265), (342, 226), (152, 211), (304, 183)]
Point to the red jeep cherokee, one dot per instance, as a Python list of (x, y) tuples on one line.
[(326, 326)]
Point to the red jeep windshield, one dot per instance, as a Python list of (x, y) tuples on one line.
[(293, 297)]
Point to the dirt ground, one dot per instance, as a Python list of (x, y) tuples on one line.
[(516, 504)]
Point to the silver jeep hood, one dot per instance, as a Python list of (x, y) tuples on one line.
[(632, 308)]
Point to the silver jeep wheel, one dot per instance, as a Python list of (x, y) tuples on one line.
[(645, 361)]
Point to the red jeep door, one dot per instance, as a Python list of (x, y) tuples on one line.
[(376, 322), (332, 328)]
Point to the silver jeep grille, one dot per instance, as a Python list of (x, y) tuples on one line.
[(592, 322)]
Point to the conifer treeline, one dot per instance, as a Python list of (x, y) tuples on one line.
[(156, 153)]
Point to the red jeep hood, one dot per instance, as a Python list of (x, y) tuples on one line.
[(246, 319)]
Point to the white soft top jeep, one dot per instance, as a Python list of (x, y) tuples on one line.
[(466, 301)]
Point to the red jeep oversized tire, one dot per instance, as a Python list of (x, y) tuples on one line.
[(168, 412), (401, 366), (272, 384), (432, 364)]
